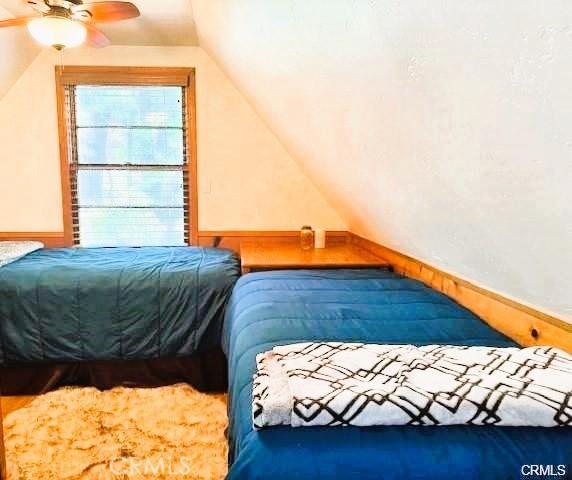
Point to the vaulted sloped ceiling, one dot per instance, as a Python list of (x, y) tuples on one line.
[(162, 23), (441, 129), (17, 50)]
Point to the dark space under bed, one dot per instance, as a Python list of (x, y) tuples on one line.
[(375, 306), (106, 316)]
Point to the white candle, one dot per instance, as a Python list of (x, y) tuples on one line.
[(319, 238)]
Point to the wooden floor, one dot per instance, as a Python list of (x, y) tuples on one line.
[(9, 404)]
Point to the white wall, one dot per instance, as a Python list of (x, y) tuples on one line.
[(439, 128), (247, 181)]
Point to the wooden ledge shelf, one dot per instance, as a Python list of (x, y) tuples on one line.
[(273, 256)]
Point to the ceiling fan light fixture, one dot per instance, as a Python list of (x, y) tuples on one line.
[(57, 32)]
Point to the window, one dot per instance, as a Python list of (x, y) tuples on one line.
[(130, 168)]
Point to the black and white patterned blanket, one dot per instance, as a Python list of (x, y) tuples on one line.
[(311, 384)]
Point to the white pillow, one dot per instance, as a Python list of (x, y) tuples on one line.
[(12, 251)]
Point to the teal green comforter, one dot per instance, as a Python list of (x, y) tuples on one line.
[(65, 305)]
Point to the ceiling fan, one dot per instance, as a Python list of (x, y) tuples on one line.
[(68, 23)]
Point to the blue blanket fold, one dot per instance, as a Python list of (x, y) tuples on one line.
[(113, 303)]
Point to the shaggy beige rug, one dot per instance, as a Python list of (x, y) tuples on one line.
[(171, 432)]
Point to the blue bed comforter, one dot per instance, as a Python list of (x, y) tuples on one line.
[(113, 303), (375, 306)]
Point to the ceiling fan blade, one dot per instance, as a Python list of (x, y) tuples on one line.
[(100, 12), (95, 37), (15, 22)]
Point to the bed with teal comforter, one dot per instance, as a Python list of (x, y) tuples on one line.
[(70, 305), (372, 306)]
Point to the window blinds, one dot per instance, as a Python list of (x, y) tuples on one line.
[(128, 165)]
